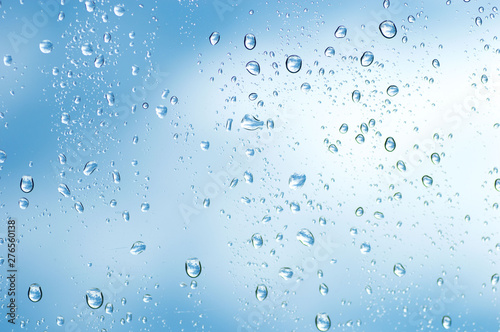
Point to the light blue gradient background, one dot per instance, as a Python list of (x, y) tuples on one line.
[(173, 174)]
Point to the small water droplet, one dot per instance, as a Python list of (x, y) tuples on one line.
[(435, 63), (401, 166), (388, 29), (250, 122), (60, 320), (341, 32), (323, 289), (446, 322), (390, 144), (161, 111), (392, 90), (87, 49), (435, 158), (329, 51), (367, 59), (257, 241), (356, 96), (261, 292), (205, 145), (286, 273), (359, 212), (365, 248), (119, 10), (427, 180), (79, 207), (89, 168), (46, 46), (296, 181), (27, 184)]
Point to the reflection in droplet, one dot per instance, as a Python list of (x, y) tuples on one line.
[(286, 273), (193, 267), (35, 292), (60, 320), (323, 322), (94, 298), (119, 10), (3, 156), (23, 203), (296, 181), (323, 289), (392, 90), (435, 158), (27, 184), (359, 212), (109, 308), (329, 51), (46, 46), (401, 166), (253, 67), (495, 279), (360, 139), (64, 190), (365, 248), (435, 63), (356, 96), (161, 111), (293, 63), (388, 29), (137, 248), (79, 207), (261, 292)]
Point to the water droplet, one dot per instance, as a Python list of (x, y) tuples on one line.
[(137, 248), (147, 298), (367, 59), (87, 49), (7, 60), (193, 267), (89, 168), (250, 122), (365, 248), (23, 203), (323, 322), (479, 21), (257, 240), (296, 181), (253, 67), (401, 166), (378, 215), (360, 139), (359, 212), (305, 237), (214, 38), (108, 308), (286, 273), (119, 10), (27, 184), (94, 298), (3, 156), (261, 292), (305, 87), (35, 292), (116, 176), (399, 270), (250, 41), (329, 51), (174, 100), (435, 158), (427, 180), (388, 29), (293, 63), (323, 289), (440, 282), (248, 177), (495, 279), (46, 46), (341, 32), (333, 148), (145, 207), (64, 190), (205, 145), (161, 111), (60, 320), (343, 128), (99, 61), (386, 4), (79, 207), (356, 96), (484, 79), (392, 90), (390, 144), (435, 63), (446, 322)]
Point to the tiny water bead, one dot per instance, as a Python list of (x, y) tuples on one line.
[(137, 248), (193, 267), (293, 63), (94, 298), (261, 292), (35, 292), (214, 38), (388, 29), (27, 184), (323, 322), (399, 270), (249, 41)]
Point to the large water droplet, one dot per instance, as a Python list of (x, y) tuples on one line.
[(365, 248), (392, 90), (137, 248), (323, 289), (89, 168), (293, 63), (388, 29), (427, 180), (261, 292), (435, 63), (46, 46), (356, 96), (296, 181), (64, 190), (87, 49), (119, 10), (161, 111), (305, 237), (253, 67), (27, 183), (323, 322), (367, 59), (329, 51), (257, 240), (495, 279), (399, 270), (214, 38), (35, 292), (193, 267), (286, 273), (341, 32), (446, 322), (390, 144), (250, 41), (250, 122), (99, 61), (94, 298), (23, 203)]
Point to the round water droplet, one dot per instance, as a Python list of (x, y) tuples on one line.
[(323, 322), (341, 32), (23, 203), (250, 41), (193, 267), (333, 148), (64, 190), (435, 63), (296, 181), (94, 298), (390, 144), (249, 122), (286, 273), (35, 292), (161, 111), (89, 168), (261, 292), (27, 184), (446, 322), (205, 145), (46, 46), (365, 248), (435, 158), (427, 180), (147, 298), (137, 248), (293, 63), (329, 51), (257, 240), (392, 90), (253, 67), (360, 139), (87, 49), (440, 282), (356, 96), (399, 270), (305, 87), (119, 10), (214, 38), (367, 59), (323, 289), (305, 237), (359, 212), (388, 29)]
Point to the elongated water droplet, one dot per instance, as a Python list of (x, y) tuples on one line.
[(3, 156), (7, 60), (401, 166), (249, 122), (446, 322), (27, 184), (286, 273), (367, 59), (388, 29), (399, 270), (137, 248), (435, 158), (341, 32), (257, 241), (392, 90), (386, 4), (323, 322), (261, 292), (248, 177), (296, 181), (479, 21), (89, 168), (390, 144), (94, 298), (46, 46), (250, 41), (495, 279), (64, 190), (99, 61), (253, 67), (435, 63), (305, 237), (427, 180), (214, 38), (323, 289), (35, 292), (484, 79), (79, 207), (116, 176), (356, 96), (293, 63), (193, 267)]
